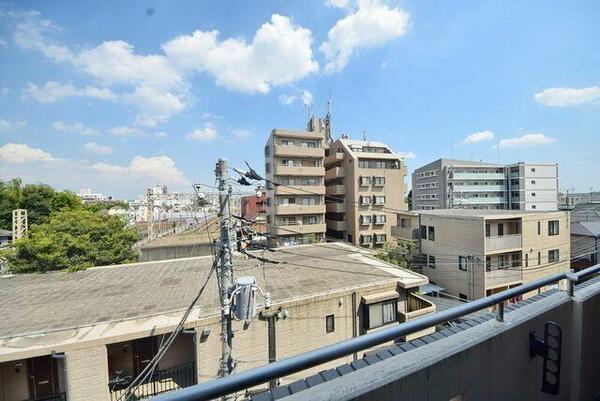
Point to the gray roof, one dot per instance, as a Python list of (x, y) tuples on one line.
[(5, 233), (483, 213), (586, 228), (35, 303)]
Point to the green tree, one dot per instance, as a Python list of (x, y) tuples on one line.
[(74, 239), (397, 252), (10, 198)]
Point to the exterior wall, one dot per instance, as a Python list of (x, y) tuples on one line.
[(582, 247), (302, 331), (455, 237), (536, 186), (252, 205), (439, 191), (87, 374)]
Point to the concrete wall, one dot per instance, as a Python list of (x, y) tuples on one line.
[(148, 254), (490, 361), (87, 374)]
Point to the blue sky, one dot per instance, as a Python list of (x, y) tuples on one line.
[(118, 96)]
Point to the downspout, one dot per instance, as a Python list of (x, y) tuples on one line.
[(354, 322)]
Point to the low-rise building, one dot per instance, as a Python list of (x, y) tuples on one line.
[(85, 335), (474, 253), (585, 243), (364, 182), (5, 236)]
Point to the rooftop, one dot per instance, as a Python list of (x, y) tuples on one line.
[(482, 213), (5, 233), (41, 303), (587, 228)]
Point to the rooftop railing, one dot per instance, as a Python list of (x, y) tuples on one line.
[(263, 374)]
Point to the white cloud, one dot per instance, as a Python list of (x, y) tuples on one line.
[(2, 42), (241, 134), (302, 95), (408, 155), (5, 91), (16, 153), (526, 140), (371, 25), (128, 132), (206, 134), (338, 3), (562, 97), (97, 149), (6, 125), (53, 91), (160, 135), (477, 137), (75, 128), (158, 169), (279, 53)]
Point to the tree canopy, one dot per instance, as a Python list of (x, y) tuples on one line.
[(74, 240), (397, 252)]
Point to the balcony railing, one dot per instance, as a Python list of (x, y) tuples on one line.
[(498, 277), (502, 242), (53, 397), (161, 381)]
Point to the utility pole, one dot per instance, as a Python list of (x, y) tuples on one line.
[(271, 318), (150, 213), (225, 272)]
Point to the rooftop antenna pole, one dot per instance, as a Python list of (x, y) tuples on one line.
[(364, 135), (328, 118), (225, 276)]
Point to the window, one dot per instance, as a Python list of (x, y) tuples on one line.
[(526, 260), (462, 263), (539, 258), (487, 230), (502, 262), (309, 200), (379, 200), (379, 314), (366, 219), (488, 263), (267, 150), (365, 200), (500, 229), (553, 255), (365, 181), (553, 227), (366, 239), (309, 144), (533, 169), (533, 206), (378, 181), (533, 194), (431, 262), (515, 260), (423, 230), (532, 182), (380, 238), (289, 221), (329, 323), (402, 222), (431, 232), (539, 227), (288, 201), (267, 167), (462, 296), (309, 220), (379, 219), (287, 142)]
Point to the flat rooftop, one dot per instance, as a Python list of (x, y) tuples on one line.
[(40, 303), (483, 213)]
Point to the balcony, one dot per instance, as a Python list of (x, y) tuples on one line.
[(299, 170), (299, 209), (298, 151), (299, 228), (483, 200), (503, 243), (286, 133), (406, 233), (416, 307), (335, 207), (500, 277), (336, 172), (477, 176), (300, 190), (160, 381), (334, 158), (336, 225), (336, 190), (479, 188)]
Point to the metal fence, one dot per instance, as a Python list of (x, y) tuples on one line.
[(284, 367), (160, 382)]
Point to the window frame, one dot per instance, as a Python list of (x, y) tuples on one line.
[(553, 255), (431, 233), (462, 259), (367, 324), (553, 227)]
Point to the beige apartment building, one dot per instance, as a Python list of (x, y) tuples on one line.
[(474, 253), (84, 335), (364, 183), (294, 159)]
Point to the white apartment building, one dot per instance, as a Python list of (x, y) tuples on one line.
[(460, 184)]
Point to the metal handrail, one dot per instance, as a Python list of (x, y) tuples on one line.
[(284, 367)]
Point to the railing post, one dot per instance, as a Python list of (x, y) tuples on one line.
[(500, 312), (571, 280)]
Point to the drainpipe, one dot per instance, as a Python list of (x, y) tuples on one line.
[(354, 322)]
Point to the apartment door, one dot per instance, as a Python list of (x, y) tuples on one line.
[(43, 376), (144, 349)]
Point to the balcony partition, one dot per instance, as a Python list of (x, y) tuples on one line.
[(159, 382)]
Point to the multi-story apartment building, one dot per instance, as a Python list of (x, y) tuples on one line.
[(475, 253), (365, 187), (459, 184), (294, 159)]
